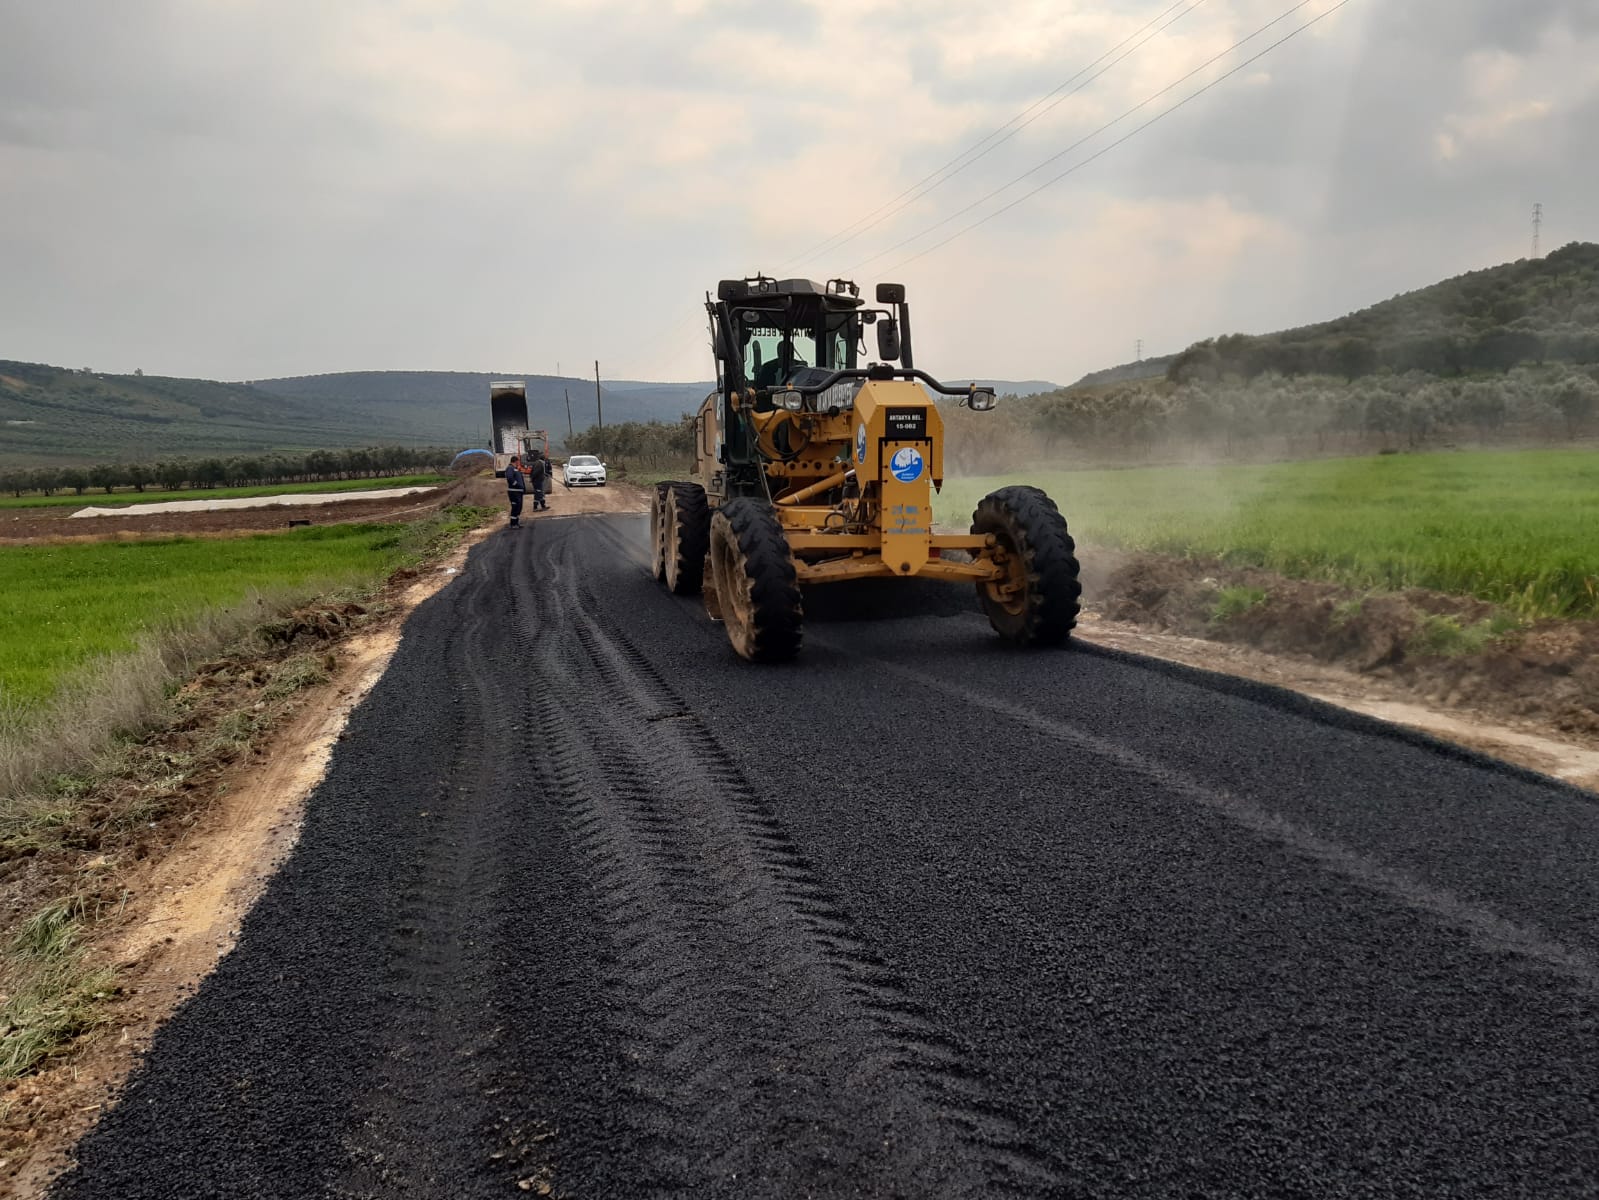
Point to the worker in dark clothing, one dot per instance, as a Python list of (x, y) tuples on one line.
[(516, 488), (538, 470)]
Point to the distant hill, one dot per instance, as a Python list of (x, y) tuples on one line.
[(1541, 310), (453, 405), (1144, 368), (50, 413), (53, 414)]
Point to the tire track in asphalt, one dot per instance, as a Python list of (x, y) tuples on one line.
[(430, 975), (701, 878)]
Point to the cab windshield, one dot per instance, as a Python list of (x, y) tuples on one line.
[(773, 352)]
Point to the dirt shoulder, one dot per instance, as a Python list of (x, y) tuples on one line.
[(1451, 666), (180, 892), (177, 890)]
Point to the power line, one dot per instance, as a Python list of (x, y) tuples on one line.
[(997, 138), (1106, 149), (1021, 120)]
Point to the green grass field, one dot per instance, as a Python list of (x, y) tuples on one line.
[(68, 604), (123, 496), (1518, 528)]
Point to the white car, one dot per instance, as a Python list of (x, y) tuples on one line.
[(581, 469)]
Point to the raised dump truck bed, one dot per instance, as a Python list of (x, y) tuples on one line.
[(507, 420)]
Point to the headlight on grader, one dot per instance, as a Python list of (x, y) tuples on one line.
[(980, 400), (792, 401)]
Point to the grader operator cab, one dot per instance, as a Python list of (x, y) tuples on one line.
[(812, 467)]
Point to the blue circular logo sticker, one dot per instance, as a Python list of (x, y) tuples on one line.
[(906, 464), (860, 443)]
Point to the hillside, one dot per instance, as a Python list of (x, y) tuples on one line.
[(1542, 310), (1144, 368), (452, 406), (52, 414)]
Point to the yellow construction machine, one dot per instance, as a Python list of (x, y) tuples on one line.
[(813, 468)]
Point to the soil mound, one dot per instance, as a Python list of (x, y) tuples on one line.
[(1451, 649)]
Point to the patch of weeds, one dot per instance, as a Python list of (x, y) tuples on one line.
[(51, 995), (47, 1010), (429, 538), (1346, 611), (1502, 623), (1445, 637), (293, 674), (74, 786), (1235, 602), (52, 931)]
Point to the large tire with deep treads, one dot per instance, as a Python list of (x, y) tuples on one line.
[(1036, 603), (756, 585), (685, 538), (658, 496)]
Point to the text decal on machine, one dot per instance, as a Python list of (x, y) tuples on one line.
[(905, 424)]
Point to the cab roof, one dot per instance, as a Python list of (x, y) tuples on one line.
[(835, 291)]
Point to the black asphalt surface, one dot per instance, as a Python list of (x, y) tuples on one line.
[(588, 907)]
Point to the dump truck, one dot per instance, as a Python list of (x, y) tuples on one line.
[(812, 467), (509, 422)]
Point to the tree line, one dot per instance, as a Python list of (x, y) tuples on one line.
[(243, 470), (641, 447), (1268, 416), (1274, 415)]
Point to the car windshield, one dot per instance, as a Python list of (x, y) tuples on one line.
[(584, 460)]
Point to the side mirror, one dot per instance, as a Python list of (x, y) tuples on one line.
[(888, 339)]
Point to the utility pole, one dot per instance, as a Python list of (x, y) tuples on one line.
[(567, 392), (1140, 349), (599, 408), (1537, 228)]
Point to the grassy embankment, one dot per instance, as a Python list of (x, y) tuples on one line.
[(1514, 528), (124, 496), (102, 634)]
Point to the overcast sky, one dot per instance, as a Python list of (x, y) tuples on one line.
[(245, 188)]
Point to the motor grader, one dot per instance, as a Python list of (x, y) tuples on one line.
[(812, 467)]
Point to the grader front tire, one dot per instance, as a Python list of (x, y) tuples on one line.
[(658, 501), (757, 589), (685, 537), (1037, 601)]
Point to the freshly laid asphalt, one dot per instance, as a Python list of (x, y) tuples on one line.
[(588, 907)]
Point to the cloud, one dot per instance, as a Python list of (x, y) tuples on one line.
[(242, 188)]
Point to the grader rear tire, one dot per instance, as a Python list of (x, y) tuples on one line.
[(1036, 603), (756, 587), (685, 537), (658, 530)]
